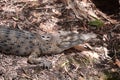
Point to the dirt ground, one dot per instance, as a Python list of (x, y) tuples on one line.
[(48, 16)]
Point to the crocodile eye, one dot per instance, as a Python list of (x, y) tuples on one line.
[(43, 36), (46, 37)]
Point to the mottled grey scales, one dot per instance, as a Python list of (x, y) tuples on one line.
[(25, 43)]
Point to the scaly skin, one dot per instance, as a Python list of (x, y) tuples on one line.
[(24, 43)]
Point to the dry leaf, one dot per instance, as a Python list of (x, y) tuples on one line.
[(117, 62)]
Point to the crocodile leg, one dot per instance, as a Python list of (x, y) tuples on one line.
[(35, 59)]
